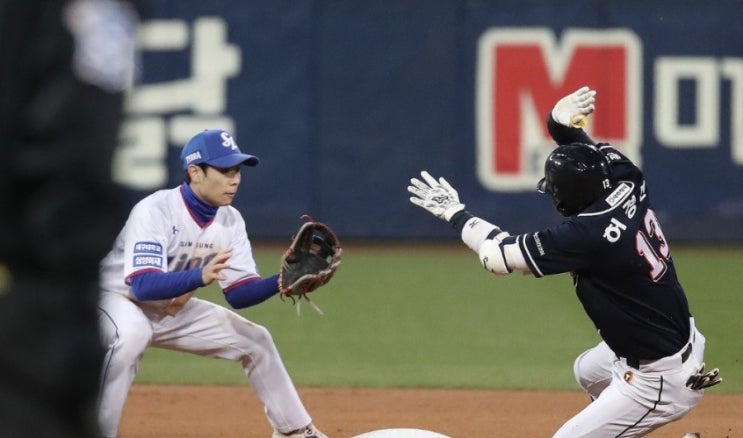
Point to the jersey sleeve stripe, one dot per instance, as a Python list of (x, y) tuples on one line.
[(521, 240)]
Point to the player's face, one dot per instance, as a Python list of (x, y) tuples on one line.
[(216, 186)]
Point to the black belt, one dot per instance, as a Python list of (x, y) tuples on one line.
[(635, 363)]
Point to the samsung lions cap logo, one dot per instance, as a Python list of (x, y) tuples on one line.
[(228, 141)]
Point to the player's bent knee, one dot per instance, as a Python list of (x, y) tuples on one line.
[(261, 335), (591, 375), (254, 338), (130, 344), (130, 350), (579, 372)]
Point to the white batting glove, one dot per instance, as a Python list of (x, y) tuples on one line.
[(573, 109), (438, 197), (702, 380)]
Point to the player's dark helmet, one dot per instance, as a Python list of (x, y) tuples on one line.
[(575, 175)]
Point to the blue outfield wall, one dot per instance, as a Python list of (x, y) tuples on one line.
[(344, 101)]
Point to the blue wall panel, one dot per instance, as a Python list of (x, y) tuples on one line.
[(345, 101)]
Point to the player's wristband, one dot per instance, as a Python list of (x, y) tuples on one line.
[(459, 219), (476, 231)]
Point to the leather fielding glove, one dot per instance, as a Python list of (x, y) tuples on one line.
[(310, 261), (573, 109), (438, 197)]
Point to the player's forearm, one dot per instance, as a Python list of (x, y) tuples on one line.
[(483, 238), (497, 255), (565, 134), (151, 285), (252, 293), (474, 230)]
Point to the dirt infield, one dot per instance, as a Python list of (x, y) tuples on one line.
[(233, 411)]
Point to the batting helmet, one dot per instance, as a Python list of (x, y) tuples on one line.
[(575, 175)]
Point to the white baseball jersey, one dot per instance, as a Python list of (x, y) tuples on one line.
[(161, 234)]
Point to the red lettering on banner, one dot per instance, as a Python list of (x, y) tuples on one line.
[(520, 77)]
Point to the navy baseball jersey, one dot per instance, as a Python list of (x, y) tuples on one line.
[(621, 265)]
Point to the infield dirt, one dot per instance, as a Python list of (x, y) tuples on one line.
[(154, 411)]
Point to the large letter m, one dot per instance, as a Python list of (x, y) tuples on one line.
[(522, 72)]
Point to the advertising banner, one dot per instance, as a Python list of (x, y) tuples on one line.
[(344, 102)]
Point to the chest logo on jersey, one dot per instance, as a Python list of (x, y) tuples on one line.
[(183, 262), (618, 194), (190, 244)]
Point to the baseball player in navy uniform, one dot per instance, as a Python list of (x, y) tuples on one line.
[(648, 369), (174, 242)]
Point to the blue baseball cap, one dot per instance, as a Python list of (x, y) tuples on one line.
[(217, 148)]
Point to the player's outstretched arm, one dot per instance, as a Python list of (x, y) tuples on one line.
[(439, 198)]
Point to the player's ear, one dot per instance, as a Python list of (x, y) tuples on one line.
[(195, 173)]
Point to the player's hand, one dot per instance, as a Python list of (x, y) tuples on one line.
[(438, 197), (573, 109), (213, 270), (702, 380)]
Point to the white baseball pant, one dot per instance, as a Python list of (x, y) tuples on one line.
[(201, 328), (629, 402)]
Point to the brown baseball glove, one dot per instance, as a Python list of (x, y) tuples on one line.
[(310, 261)]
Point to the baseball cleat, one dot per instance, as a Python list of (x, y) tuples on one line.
[(308, 432)]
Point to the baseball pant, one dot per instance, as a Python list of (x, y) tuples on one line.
[(202, 328), (630, 402)]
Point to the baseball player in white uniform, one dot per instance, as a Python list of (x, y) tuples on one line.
[(174, 242)]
